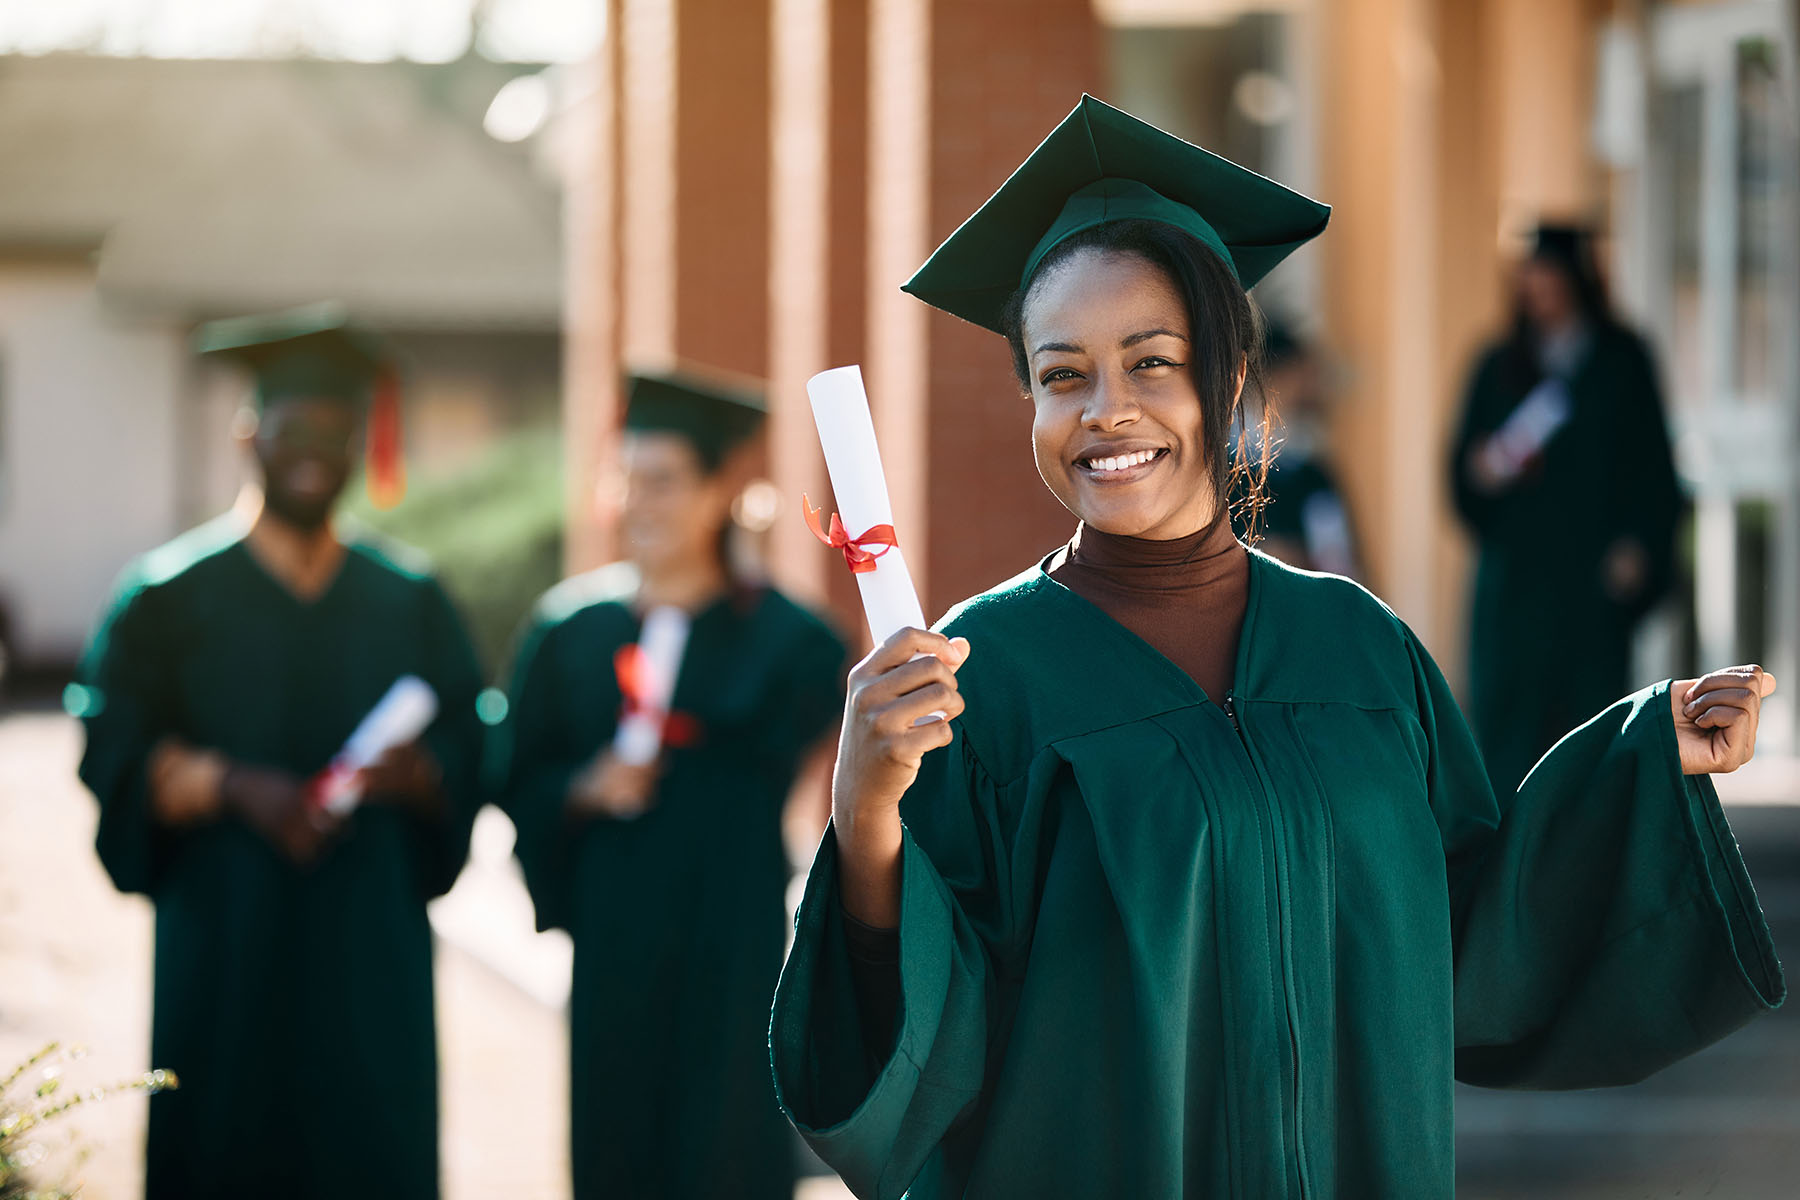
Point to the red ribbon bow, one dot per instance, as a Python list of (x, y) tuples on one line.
[(679, 729), (857, 554)]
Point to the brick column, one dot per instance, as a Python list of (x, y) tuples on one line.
[(1447, 123), (588, 137), (815, 261), (667, 219), (959, 94), (1381, 141), (723, 169)]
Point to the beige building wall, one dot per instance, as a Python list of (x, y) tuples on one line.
[(91, 472), (1448, 126)]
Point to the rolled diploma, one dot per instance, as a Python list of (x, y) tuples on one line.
[(1531, 425), (401, 716), (847, 433), (638, 740)]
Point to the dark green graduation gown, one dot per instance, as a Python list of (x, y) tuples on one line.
[(677, 917), (1540, 602), (294, 1003), (1145, 953)]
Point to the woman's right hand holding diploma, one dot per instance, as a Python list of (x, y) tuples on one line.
[(891, 720)]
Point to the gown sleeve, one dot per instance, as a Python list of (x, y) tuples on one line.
[(454, 741), (532, 764), (117, 697), (808, 695), (878, 1124), (1603, 922)]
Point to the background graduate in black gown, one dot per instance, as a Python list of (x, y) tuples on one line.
[(671, 876), (293, 985), (1563, 475)]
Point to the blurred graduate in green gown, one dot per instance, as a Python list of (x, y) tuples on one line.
[(666, 864), (1563, 475), (1202, 890), (293, 985)]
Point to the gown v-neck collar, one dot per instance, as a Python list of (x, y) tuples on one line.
[(310, 603), (1177, 684)]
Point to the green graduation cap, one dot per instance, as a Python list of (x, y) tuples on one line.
[(312, 352), (713, 413), (1101, 165), (316, 353)]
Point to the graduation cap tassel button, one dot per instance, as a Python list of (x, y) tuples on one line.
[(858, 554)]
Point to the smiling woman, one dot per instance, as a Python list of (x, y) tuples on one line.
[(1203, 890), (1123, 388)]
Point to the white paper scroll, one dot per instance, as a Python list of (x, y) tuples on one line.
[(639, 737), (847, 433), (1531, 425), (401, 716)]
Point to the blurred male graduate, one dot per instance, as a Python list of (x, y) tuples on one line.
[(293, 987)]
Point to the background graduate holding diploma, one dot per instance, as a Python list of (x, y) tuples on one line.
[(293, 988), (668, 869), (1203, 890)]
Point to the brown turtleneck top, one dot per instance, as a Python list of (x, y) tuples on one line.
[(1185, 597)]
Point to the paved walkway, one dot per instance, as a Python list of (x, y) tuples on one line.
[(75, 967)]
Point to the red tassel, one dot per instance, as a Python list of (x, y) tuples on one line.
[(385, 466)]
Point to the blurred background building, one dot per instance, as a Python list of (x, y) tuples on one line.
[(527, 195), (754, 179), (144, 195)]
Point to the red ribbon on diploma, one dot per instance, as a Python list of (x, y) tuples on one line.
[(320, 788), (857, 554), (679, 729)]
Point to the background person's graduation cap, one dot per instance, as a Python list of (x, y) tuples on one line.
[(1101, 165), (316, 353), (1568, 246), (714, 413)]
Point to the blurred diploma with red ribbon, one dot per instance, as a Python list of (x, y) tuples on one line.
[(647, 672), (863, 526), (401, 716)]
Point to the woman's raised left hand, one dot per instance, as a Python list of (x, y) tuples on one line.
[(1716, 716)]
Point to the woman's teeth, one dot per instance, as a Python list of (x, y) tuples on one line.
[(1122, 462)]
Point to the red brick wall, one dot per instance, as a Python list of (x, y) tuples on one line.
[(591, 301), (847, 144), (846, 243), (816, 268), (930, 104), (722, 141)]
